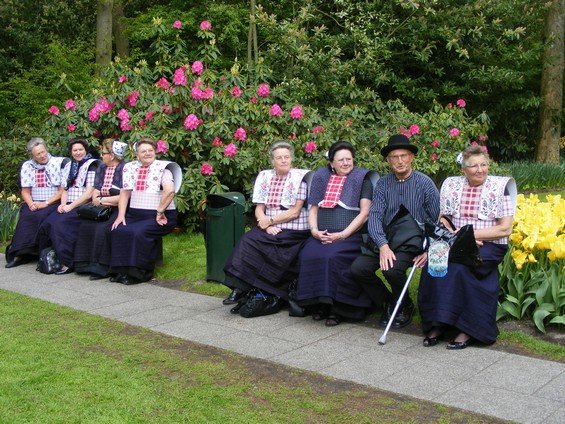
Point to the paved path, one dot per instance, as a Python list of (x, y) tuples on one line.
[(482, 380)]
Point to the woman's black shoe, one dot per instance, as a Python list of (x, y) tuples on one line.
[(430, 341), (16, 261), (94, 277), (234, 297), (453, 345), (116, 278)]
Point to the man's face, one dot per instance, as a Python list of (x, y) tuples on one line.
[(400, 162)]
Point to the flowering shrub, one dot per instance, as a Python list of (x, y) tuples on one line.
[(533, 273), (218, 125)]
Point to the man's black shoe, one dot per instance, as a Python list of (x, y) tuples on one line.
[(16, 260), (403, 316), (233, 297), (385, 317)]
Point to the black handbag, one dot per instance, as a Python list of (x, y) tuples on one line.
[(94, 213), (48, 262), (463, 247), (260, 304)]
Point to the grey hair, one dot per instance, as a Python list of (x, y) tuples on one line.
[(473, 150), (34, 142), (281, 144)]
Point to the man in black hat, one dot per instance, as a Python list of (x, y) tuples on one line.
[(418, 194)]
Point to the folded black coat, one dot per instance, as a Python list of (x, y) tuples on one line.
[(405, 233), (463, 247)]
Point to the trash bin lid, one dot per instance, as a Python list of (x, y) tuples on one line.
[(227, 198)]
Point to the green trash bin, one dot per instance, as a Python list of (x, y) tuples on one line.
[(225, 224)]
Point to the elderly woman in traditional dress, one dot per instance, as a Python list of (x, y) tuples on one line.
[(265, 258), (340, 197), (148, 186), (92, 249), (40, 179), (465, 299), (60, 230)]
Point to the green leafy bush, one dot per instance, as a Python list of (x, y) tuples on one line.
[(8, 218), (531, 176), (218, 125)]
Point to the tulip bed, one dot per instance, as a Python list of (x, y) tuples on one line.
[(533, 272)]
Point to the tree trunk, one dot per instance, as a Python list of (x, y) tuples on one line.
[(252, 45), (122, 42), (552, 84), (103, 34)]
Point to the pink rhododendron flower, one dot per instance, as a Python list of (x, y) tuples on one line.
[(179, 77), (230, 150), (483, 138), (132, 98), (253, 99), (71, 127), (450, 105), (70, 104), (310, 147), (414, 129), (126, 126), (191, 122), (162, 147), (217, 142), (141, 123), (240, 134), (122, 79), (166, 109), (123, 115), (433, 157), (405, 132), (206, 169), (94, 114), (177, 24), (454, 132), (197, 67), (485, 149), (196, 93), (435, 144), (292, 136), (149, 115), (318, 129), (105, 105), (54, 110), (296, 112), (263, 90), (275, 110), (461, 103), (236, 92), (208, 93), (163, 83), (205, 26)]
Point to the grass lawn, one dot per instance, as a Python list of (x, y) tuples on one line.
[(185, 264), (61, 365)]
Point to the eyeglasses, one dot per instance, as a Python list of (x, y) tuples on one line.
[(402, 157), (476, 166), (105, 153)]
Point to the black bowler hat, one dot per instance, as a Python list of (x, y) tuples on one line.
[(398, 141)]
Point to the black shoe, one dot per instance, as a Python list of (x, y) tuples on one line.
[(128, 280), (116, 278), (453, 345), (94, 277), (234, 297), (385, 317), (403, 316), (16, 260)]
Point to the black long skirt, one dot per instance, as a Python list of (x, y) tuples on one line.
[(466, 298), (134, 245), (92, 249), (265, 261), (25, 240), (60, 230), (324, 277)]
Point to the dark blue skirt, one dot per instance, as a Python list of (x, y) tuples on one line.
[(265, 261), (134, 245), (92, 249), (25, 240), (60, 230), (466, 298), (324, 277)]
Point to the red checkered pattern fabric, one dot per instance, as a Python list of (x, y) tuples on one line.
[(333, 191), (146, 200), (141, 178), (300, 223), (470, 211), (275, 191), (40, 178), (108, 178)]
